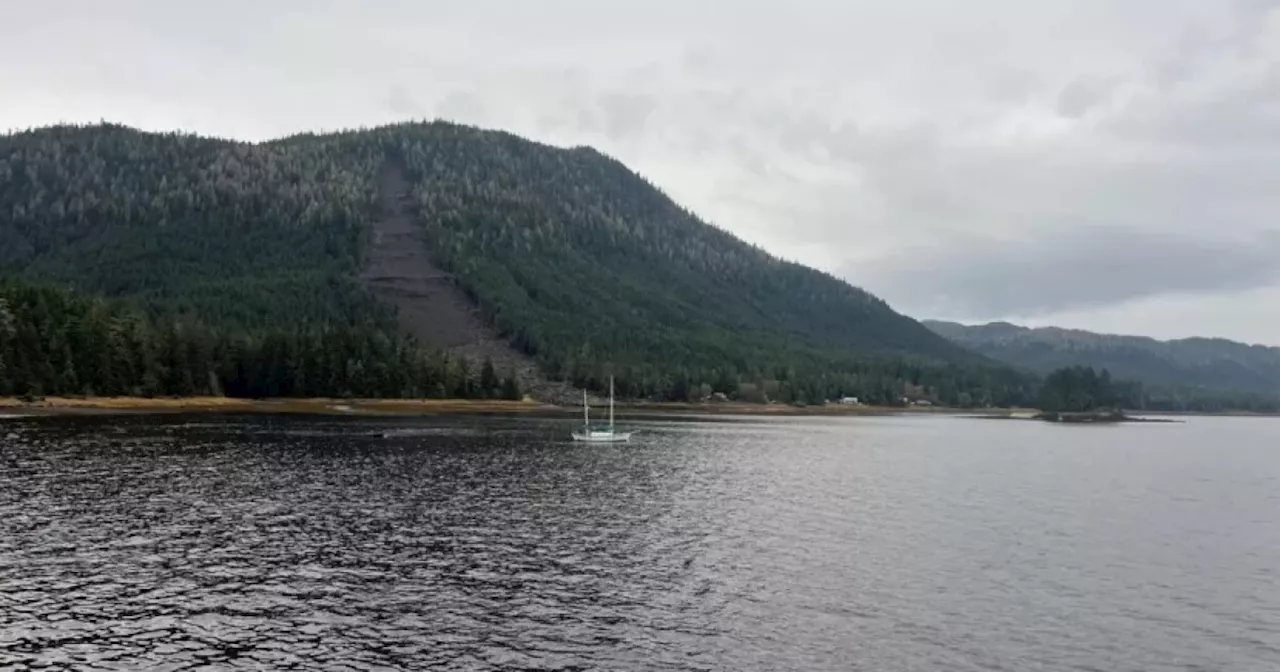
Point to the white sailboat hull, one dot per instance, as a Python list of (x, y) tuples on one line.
[(603, 437)]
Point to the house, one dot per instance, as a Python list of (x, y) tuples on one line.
[(849, 400)]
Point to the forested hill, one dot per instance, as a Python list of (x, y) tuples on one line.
[(1209, 363), (565, 254)]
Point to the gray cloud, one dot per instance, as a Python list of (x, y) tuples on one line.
[(1071, 269), (999, 142), (1082, 95), (401, 103), (460, 104), (625, 114)]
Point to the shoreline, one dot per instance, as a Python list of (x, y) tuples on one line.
[(53, 406), (63, 406), (10, 406)]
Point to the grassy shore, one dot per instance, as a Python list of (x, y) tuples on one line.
[(109, 405), (138, 405)]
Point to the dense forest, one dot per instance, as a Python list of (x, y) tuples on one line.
[(250, 262), (571, 258), (54, 341), (234, 233), (1193, 374)]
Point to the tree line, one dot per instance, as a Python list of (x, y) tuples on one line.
[(54, 341)]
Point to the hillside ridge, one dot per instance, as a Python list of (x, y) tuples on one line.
[(950, 326), (1210, 363)]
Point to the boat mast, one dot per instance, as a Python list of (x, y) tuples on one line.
[(586, 412), (610, 403)]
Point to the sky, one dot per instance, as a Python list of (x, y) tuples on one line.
[(1098, 164)]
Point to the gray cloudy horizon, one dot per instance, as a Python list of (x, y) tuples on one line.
[(1094, 164)]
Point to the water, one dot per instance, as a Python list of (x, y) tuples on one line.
[(848, 544)]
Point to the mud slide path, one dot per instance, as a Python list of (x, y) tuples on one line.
[(400, 271)]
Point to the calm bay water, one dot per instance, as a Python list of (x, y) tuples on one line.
[(889, 543)]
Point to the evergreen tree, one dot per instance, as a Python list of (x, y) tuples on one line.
[(511, 388), (488, 379), (1079, 389)]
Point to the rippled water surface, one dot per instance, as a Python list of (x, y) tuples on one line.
[(800, 544)]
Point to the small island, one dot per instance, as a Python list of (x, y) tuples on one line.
[(1080, 395), (1109, 415)]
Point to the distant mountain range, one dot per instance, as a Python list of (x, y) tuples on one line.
[(1207, 363)]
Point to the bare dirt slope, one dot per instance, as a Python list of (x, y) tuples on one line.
[(400, 271)]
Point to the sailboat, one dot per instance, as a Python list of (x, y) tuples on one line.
[(600, 434)]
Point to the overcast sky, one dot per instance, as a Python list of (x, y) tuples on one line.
[(1101, 164)]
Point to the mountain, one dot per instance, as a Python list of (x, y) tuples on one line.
[(1206, 363), (557, 264)]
